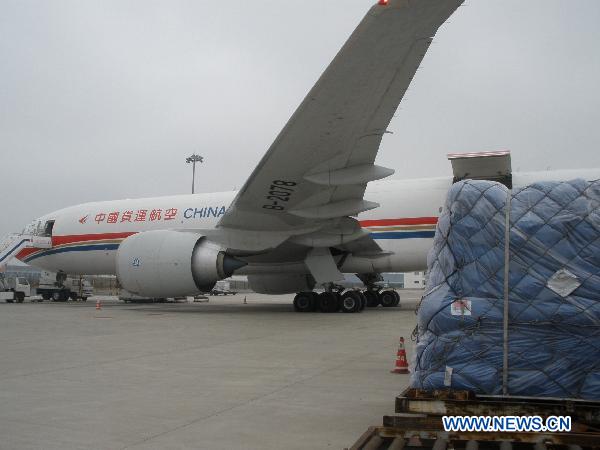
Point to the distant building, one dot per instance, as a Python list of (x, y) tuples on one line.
[(395, 280), (414, 280)]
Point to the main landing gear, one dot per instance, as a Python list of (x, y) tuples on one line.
[(350, 301)]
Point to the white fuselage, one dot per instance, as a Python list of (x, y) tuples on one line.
[(85, 237)]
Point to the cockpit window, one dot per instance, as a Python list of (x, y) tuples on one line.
[(39, 228), (48, 229)]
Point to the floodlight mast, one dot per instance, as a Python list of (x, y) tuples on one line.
[(194, 159)]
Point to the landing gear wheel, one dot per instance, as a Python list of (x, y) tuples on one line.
[(315, 304), (339, 298), (363, 300), (397, 301), (372, 299), (304, 302), (387, 299), (351, 301), (328, 302)]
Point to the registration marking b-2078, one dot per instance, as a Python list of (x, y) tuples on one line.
[(279, 192)]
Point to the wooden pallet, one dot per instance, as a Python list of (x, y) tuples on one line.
[(417, 423)]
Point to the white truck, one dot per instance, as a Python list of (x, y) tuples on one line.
[(60, 287), (14, 289), (222, 287)]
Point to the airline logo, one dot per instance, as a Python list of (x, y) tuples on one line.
[(154, 215), (204, 212), (139, 215)]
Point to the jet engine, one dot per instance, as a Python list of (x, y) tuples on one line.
[(165, 263)]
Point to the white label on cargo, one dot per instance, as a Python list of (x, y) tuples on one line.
[(448, 376), (461, 307), (563, 282)]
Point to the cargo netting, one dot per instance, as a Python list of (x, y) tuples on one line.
[(552, 331)]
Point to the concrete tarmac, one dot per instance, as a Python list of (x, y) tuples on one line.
[(216, 375)]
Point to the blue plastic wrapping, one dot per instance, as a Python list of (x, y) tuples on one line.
[(553, 334)]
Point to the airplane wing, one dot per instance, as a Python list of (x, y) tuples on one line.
[(311, 181)]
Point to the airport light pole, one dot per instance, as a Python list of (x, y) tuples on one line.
[(194, 159)]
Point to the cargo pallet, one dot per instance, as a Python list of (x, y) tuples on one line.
[(417, 423)]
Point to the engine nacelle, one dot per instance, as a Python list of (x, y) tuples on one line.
[(165, 263), (280, 283)]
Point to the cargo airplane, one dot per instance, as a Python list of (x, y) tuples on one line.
[(305, 215)]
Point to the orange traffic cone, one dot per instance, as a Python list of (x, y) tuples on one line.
[(98, 305), (401, 362)]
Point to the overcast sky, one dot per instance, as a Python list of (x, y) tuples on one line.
[(102, 100)]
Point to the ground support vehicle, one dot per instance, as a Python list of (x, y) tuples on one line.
[(14, 289), (222, 288), (217, 292), (418, 423), (59, 287)]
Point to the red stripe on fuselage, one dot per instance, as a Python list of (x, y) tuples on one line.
[(24, 253), (405, 221), (70, 239)]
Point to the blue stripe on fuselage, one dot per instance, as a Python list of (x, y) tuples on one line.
[(79, 248), (403, 235), (10, 252), (92, 247)]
